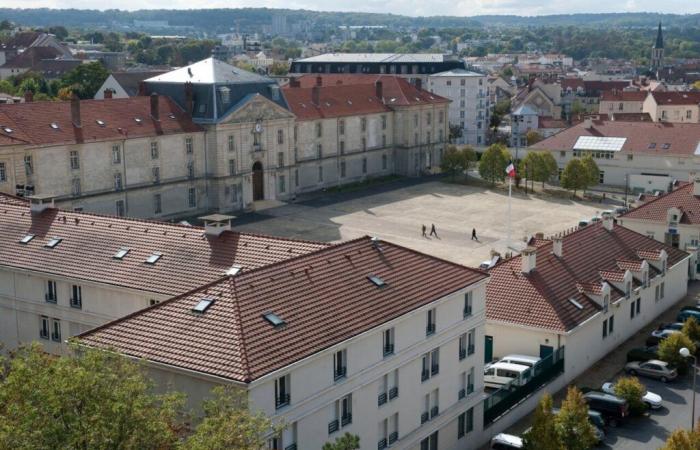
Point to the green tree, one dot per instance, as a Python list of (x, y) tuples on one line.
[(228, 424), (345, 442), (548, 167), (28, 85), (85, 79), (682, 439), (574, 177), (533, 137), (7, 87), (669, 350), (493, 163), (577, 108), (592, 171), (633, 391), (691, 328), (543, 434), (279, 68), (59, 31), (573, 427), (96, 399)]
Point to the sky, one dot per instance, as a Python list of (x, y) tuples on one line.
[(403, 7)]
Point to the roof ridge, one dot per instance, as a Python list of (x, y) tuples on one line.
[(248, 376), (685, 186)]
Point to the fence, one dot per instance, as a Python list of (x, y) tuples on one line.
[(511, 394)]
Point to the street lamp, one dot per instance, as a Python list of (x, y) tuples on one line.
[(686, 353)]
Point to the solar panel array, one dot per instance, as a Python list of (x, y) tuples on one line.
[(610, 144)]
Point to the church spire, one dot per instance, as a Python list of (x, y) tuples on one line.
[(659, 38)]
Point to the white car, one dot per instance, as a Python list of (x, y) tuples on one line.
[(503, 441), (653, 401), (664, 333)]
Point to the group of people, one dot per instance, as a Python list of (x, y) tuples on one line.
[(433, 232)]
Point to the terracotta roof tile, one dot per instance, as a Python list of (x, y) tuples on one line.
[(612, 275), (656, 210), (324, 298), (623, 96), (676, 98)]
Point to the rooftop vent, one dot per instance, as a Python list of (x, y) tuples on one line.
[(26, 239), (215, 224), (54, 125), (203, 305), (273, 319), (121, 253), (138, 120), (54, 241), (153, 258), (233, 270), (100, 122), (376, 280)]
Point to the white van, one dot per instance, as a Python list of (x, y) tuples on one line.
[(503, 441), (500, 374), (524, 360)]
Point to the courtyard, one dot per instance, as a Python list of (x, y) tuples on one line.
[(396, 211)]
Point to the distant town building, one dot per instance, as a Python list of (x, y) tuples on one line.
[(657, 51), (676, 107), (125, 84)]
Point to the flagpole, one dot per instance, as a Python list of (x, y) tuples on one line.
[(510, 189)]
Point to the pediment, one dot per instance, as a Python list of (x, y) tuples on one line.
[(256, 107)]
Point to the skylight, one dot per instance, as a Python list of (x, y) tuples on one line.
[(575, 303), (155, 256), (7, 130), (203, 305), (137, 120), (376, 280), (274, 319), (100, 122), (666, 146), (604, 143), (171, 115), (53, 242), (54, 125), (121, 253), (652, 145), (26, 239), (233, 270)]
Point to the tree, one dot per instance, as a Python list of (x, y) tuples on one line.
[(574, 177), (456, 160), (683, 439), (573, 427), (633, 391), (85, 79), (96, 399), (669, 350), (577, 108), (59, 31), (543, 433), (345, 442), (533, 137), (548, 167), (7, 87), (279, 68), (691, 328), (455, 132), (591, 169), (228, 424), (494, 161)]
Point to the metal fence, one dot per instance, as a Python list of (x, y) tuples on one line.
[(511, 394)]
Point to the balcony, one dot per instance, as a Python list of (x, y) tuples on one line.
[(291, 447), (435, 369), (333, 426), (381, 445), (424, 417), (434, 411), (381, 399), (388, 350), (430, 329), (346, 419), (393, 393), (462, 353), (462, 394), (340, 373), (424, 375), (393, 437), (470, 349), (281, 401)]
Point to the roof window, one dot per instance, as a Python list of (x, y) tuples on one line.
[(100, 122), (138, 120), (203, 305), (54, 241), (171, 115), (153, 258), (652, 145), (54, 125), (274, 319), (7, 129), (575, 303), (376, 280), (666, 146), (233, 270), (26, 239), (121, 253)]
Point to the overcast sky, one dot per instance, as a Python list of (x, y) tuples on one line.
[(405, 7)]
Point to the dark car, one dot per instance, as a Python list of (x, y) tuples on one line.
[(613, 409), (687, 313), (643, 353)]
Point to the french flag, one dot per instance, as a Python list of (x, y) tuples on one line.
[(510, 170)]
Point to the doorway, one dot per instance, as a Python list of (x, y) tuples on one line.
[(258, 189), (488, 349)]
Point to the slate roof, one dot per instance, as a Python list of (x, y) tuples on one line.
[(89, 243), (656, 210), (31, 122), (375, 58), (324, 297), (541, 299), (129, 81), (209, 71)]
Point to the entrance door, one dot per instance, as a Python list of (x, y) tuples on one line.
[(488, 349), (546, 353), (258, 190)]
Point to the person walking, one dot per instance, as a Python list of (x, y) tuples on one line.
[(474, 238), (424, 230), (433, 231)]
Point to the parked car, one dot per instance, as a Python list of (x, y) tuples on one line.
[(620, 210), (503, 441), (652, 369), (613, 408), (653, 401), (687, 313), (658, 336), (664, 333), (500, 374), (596, 420), (582, 223), (643, 353), (676, 326), (532, 362)]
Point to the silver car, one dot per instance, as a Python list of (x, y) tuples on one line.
[(652, 369)]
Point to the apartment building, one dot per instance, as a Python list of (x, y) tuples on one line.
[(64, 272), (470, 107), (621, 101), (587, 291), (365, 337), (675, 107), (139, 156)]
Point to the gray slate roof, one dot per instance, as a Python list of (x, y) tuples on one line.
[(210, 71)]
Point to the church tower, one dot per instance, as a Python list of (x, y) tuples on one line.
[(657, 51)]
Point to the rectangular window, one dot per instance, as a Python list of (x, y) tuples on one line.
[(231, 167), (467, 311), (231, 145), (75, 186), (56, 330), (319, 151), (280, 136), (463, 346), (341, 127), (120, 208), (192, 197), (116, 154), (155, 174), (364, 166), (281, 184), (340, 369), (296, 177), (470, 381), (430, 322), (157, 204), (430, 443), (662, 290), (639, 305), (76, 299), (190, 169), (605, 328), (383, 140), (154, 150), (428, 118), (342, 169), (3, 172), (44, 328), (611, 324), (28, 166), (282, 392), (342, 147), (320, 174), (364, 144), (471, 341), (74, 160), (51, 292), (384, 162), (188, 145), (441, 117), (632, 310), (234, 193), (363, 124), (280, 159), (388, 342), (383, 122), (118, 182), (319, 129)]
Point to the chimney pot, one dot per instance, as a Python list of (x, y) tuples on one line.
[(316, 95), (28, 96), (557, 246), (419, 84), (107, 94), (75, 111), (529, 259), (155, 107), (319, 80), (189, 100), (379, 89), (608, 221), (142, 88)]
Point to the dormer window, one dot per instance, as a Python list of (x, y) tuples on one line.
[(54, 125), (606, 302)]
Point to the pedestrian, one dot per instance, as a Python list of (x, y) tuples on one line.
[(424, 230), (433, 231), (474, 238)]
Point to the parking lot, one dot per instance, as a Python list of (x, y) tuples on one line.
[(395, 211)]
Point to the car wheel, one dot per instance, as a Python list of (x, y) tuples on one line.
[(664, 379), (613, 423), (648, 405)]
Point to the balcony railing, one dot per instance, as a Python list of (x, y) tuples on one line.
[(430, 329), (281, 400), (462, 394), (424, 417), (340, 373), (346, 419), (381, 445), (434, 369), (393, 437), (333, 426), (434, 411), (381, 399), (462, 353), (388, 349), (424, 375), (76, 303), (393, 393)]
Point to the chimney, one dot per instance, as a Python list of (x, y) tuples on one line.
[(419, 84), (379, 89), (215, 224), (319, 80), (188, 98), (155, 107), (28, 96), (40, 203), (316, 95), (142, 88), (107, 94), (587, 122), (75, 111), (557, 246), (608, 221), (529, 259), (293, 82)]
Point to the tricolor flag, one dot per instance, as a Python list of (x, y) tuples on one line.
[(510, 170)]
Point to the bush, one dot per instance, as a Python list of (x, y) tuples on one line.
[(669, 351), (631, 390)]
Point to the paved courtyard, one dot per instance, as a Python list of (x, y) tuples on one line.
[(395, 211)]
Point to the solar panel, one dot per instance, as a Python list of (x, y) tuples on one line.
[(121, 253), (274, 319), (610, 144), (26, 239), (203, 305), (53, 242)]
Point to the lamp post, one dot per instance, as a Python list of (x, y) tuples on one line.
[(686, 353)]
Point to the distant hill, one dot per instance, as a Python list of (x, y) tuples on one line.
[(219, 20)]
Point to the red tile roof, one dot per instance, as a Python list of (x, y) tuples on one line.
[(656, 210), (31, 122), (541, 298), (623, 96), (648, 138), (334, 101), (31, 57), (676, 98), (89, 242), (324, 298)]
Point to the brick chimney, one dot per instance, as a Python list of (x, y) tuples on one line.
[(28, 96), (608, 221), (419, 84), (142, 88), (558, 246), (189, 101), (107, 94), (316, 95), (75, 111), (379, 89), (155, 107), (319, 80), (529, 260)]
